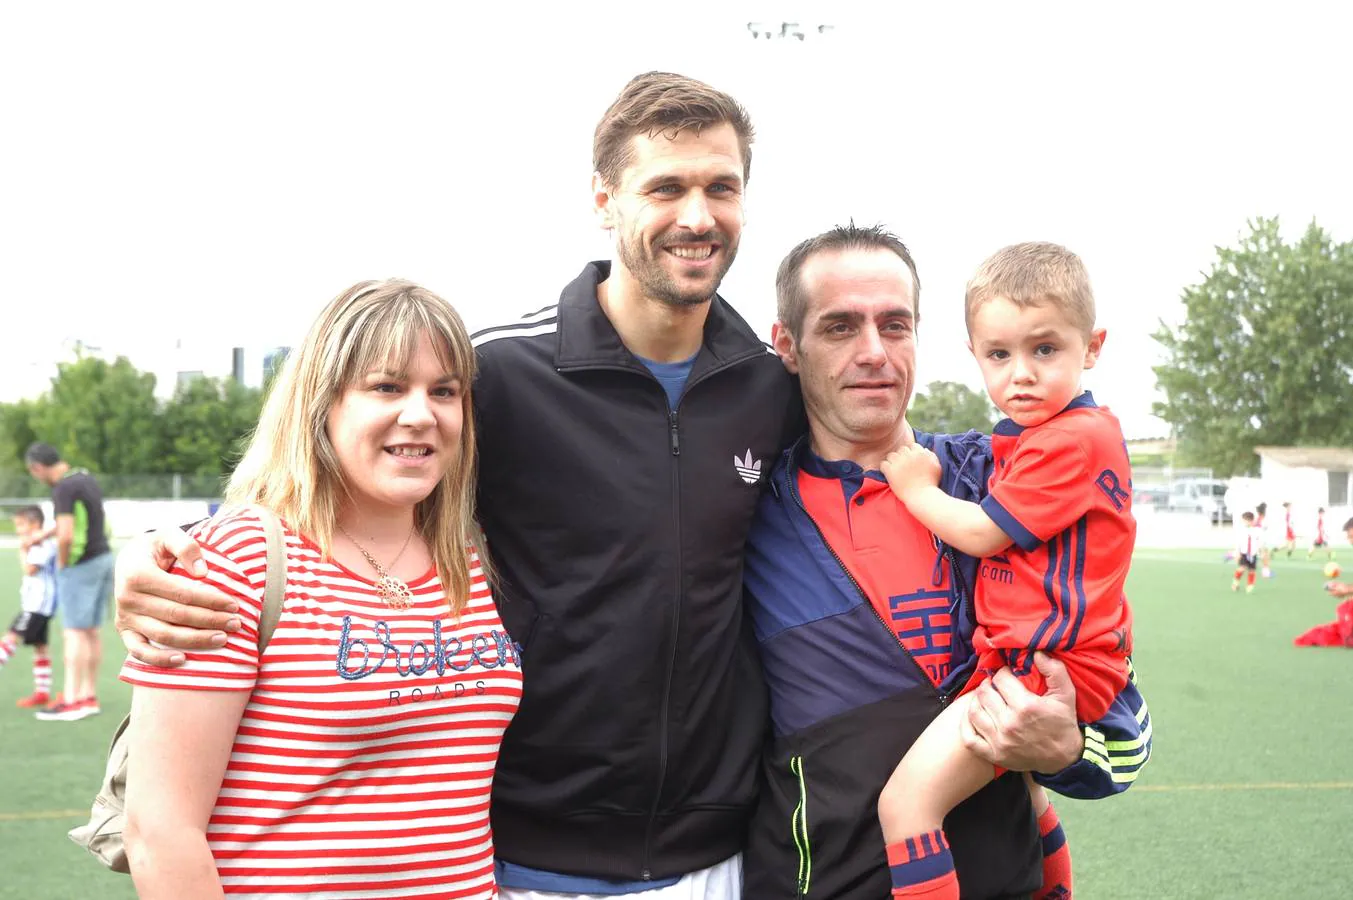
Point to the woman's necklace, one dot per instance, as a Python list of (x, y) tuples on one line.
[(394, 592)]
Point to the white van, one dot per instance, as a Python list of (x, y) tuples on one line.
[(1201, 495)]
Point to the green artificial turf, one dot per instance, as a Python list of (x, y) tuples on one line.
[(1248, 794)]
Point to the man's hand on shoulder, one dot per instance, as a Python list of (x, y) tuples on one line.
[(177, 612), (1010, 726)]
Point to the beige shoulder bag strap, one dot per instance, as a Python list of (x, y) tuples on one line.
[(275, 585)]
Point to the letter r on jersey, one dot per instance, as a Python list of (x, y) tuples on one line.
[(1113, 489)]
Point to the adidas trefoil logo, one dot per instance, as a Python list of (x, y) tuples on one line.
[(748, 469)]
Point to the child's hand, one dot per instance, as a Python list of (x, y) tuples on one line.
[(909, 468)]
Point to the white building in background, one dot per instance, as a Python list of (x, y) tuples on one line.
[(1308, 478)]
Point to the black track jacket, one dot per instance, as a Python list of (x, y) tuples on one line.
[(617, 528)]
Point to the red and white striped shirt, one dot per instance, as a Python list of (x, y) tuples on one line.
[(364, 759), (1250, 540)]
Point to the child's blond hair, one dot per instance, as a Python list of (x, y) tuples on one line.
[(1032, 274)]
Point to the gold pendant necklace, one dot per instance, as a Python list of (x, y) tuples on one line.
[(392, 591)]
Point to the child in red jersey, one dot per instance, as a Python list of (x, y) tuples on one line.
[(1289, 532), (1321, 540), (1057, 533)]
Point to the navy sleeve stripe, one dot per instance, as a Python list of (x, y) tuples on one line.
[(1009, 524)]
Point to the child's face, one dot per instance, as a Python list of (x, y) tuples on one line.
[(1031, 358), (22, 526)]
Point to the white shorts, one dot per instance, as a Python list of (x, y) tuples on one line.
[(719, 882)]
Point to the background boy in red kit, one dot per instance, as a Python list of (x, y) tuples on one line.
[(1057, 530)]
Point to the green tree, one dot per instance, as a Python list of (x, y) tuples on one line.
[(1262, 355), (204, 426), (17, 432), (951, 408), (103, 416)]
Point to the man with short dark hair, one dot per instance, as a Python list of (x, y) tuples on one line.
[(621, 436), (84, 577), (865, 619)]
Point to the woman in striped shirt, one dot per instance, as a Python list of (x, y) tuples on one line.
[(353, 757)]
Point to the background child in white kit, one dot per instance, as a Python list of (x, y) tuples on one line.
[(37, 604), (1249, 548)]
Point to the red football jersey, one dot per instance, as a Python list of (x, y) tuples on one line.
[(1062, 492)]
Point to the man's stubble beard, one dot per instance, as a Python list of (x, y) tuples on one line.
[(658, 285)]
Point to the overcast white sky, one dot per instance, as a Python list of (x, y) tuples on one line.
[(211, 174)]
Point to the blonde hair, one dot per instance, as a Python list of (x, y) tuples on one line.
[(1031, 274), (290, 465)]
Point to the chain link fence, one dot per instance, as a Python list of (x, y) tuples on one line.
[(19, 489), (17, 486)]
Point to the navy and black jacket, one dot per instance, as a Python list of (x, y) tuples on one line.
[(847, 701)]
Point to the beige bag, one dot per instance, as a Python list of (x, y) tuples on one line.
[(102, 836)]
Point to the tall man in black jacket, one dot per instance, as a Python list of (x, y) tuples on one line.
[(625, 434)]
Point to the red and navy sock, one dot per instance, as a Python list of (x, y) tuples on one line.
[(1056, 858), (922, 868)]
